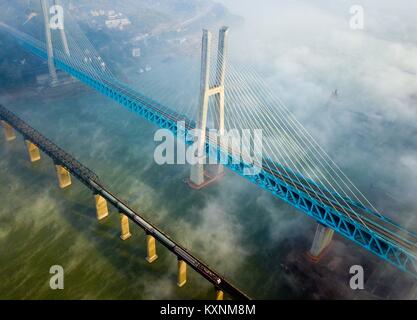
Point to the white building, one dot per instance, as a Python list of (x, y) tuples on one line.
[(140, 37), (136, 52), (117, 23)]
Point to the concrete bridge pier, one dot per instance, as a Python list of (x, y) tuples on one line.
[(151, 248), (321, 242), (33, 151), (101, 207), (219, 294), (182, 273), (8, 131), (64, 178), (124, 227), (197, 175)]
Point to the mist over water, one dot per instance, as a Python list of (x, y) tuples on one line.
[(304, 51)]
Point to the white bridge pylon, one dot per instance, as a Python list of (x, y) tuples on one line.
[(197, 176), (48, 40)]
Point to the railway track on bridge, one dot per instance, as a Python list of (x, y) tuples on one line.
[(92, 181)]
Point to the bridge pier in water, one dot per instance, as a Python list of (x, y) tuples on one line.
[(8, 131), (64, 178), (102, 210), (321, 242), (151, 248), (124, 227), (197, 175), (182, 273), (33, 151), (219, 294)]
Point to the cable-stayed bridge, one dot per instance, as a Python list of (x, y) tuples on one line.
[(293, 168)]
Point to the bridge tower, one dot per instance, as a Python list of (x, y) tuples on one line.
[(48, 41), (197, 176)]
